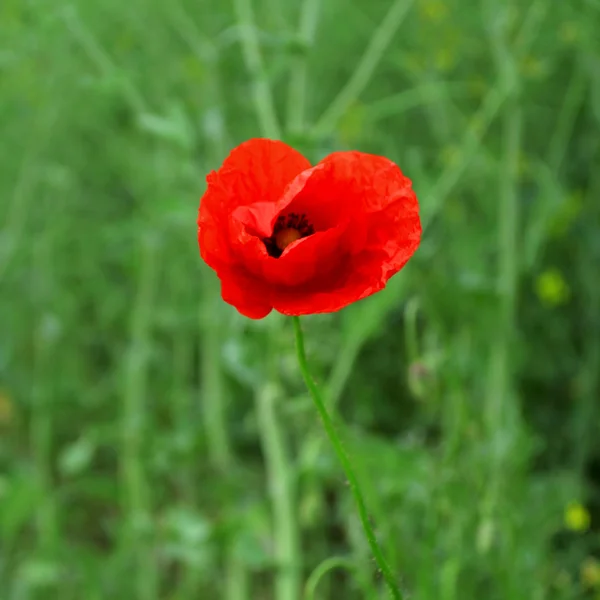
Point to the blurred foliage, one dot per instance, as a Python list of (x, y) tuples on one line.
[(156, 445)]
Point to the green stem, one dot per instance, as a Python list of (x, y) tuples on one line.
[(502, 412), (42, 428), (344, 459), (220, 454), (98, 55), (328, 565), (281, 481), (482, 120), (135, 383), (359, 80), (309, 17), (213, 400), (469, 147), (263, 100), (565, 124)]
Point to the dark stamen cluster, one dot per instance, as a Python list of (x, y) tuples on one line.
[(292, 221)]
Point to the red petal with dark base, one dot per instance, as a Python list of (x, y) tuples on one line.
[(356, 215)]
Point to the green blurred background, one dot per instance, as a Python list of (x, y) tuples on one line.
[(156, 445)]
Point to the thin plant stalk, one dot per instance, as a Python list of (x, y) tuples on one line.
[(101, 59), (220, 453), (344, 459), (366, 67), (478, 125), (272, 432), (263, 99), (309, 17), (326, 567), (134, 481), (501, 410), (281, 483), (213, 400), (42, 427), (508, 227)]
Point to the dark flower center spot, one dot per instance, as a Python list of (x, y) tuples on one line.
[(288, 229)]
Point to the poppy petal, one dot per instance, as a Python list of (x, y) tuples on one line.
[(244, 292), (259, 170), (310, 258), (395, 233), (361, 220), (393, 237), (349, 183)]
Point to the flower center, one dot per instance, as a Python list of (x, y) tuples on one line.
[(285, 237), (288, 229)]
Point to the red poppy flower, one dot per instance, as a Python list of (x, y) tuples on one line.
[(283, 235)]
